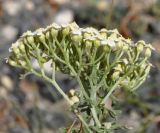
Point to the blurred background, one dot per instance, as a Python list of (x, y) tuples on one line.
[(31, 105)]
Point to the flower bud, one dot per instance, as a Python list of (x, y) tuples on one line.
[(15, 44), (76, 36), (21, 46), (73, 26), (113, 36), (25, 41), (42, 38), (16, 50), (74, 99), (140, 46), (72, 92), (119, 45), (88, 43), (118, 68), (115, 75), (54, 32), (112, 44), (97, 43), (108, 125), (65, 29), (142, 68), (125, 61), (30, 39), (125, 83), (103, 32), (23, 63), (148, 68), (106, 48), (104, 42), (86, 35), (125, 47), (148, 52), (12, 63), (47, 35)]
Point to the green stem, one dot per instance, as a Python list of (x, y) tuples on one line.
[(61, 92), (78, 80), (53, 70), (94, 113), (82, 87), (85, 124), (72, 69), (137, 55), (54, 83), (110, 91)]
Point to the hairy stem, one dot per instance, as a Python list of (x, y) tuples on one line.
[(110, 91), (85, 124), (94, 113)]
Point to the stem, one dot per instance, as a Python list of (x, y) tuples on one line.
[(72, 69), (66, 97), (82, 87), (61, 92), (94, 113), (110, 91), (83, 121), (70, 128), (108, 59), (78, 80), (137, 55), (117, 58), (53, 70), (54, 83)]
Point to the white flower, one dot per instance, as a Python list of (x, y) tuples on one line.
[(76, 32), (90, 30), (150, 46), (28, 33), (103, 30), (73, 26), (56, 26), (104, 42), (125, 61), (15, 45), (110, 43), (39, 31)]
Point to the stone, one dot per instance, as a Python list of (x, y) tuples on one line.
[(12, 7), (64, 16), (7, 82), (9, 32)]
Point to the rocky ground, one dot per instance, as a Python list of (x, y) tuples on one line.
[(28, 105)]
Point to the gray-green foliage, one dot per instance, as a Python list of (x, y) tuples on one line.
[(101, 62)]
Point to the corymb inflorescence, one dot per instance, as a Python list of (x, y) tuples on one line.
[(85, 48)]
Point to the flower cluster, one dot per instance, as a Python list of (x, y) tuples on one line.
[(112, 55)]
